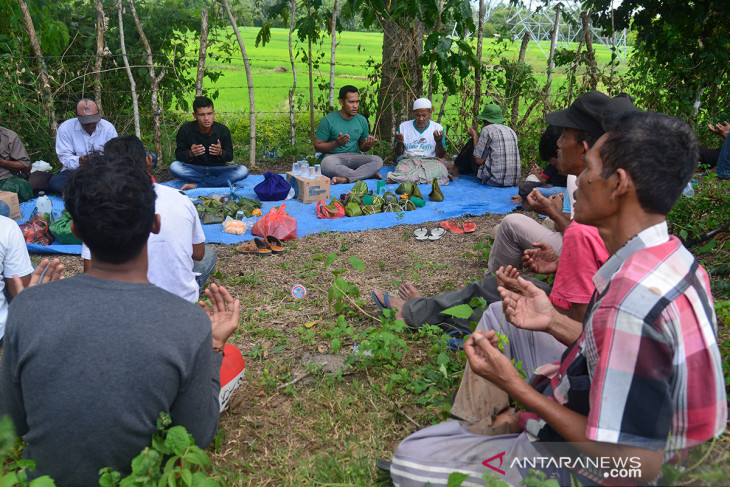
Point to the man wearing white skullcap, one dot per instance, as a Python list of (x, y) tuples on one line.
[(420, 137)]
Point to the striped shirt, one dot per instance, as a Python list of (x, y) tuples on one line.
[(646, 370), (497, 145)]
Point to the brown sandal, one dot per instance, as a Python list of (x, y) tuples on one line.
[(274, 244), (254, 247)]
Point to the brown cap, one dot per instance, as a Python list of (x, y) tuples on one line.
[(87, 111)]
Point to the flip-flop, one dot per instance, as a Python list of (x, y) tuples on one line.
[(451, 226), (436, 233), (382, 305), (274, 244), (469, 227), (254, 247), (421, 233)]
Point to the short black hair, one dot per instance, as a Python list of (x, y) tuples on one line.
[(128, 145), (347, 89), (658, 151), (202, 102), (548, 147), (112, 203)]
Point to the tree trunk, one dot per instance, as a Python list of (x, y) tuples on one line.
[(132, 83), (249, 79), (50, 111), (613, 51), (311, 82), (292, 127), (432, 68), (333, 34), (520, 61), (478, 67), (574, 69), (551, 59), (202, 51), (401, 81), (590, 53), (100, 30), (154, 80)]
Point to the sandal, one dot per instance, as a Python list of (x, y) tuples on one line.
[(469, 227), (421, 233), (254, 247), (436, 233), (451, 226), (274, 244)]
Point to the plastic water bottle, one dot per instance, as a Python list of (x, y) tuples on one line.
[(44, 206), (689, 191)]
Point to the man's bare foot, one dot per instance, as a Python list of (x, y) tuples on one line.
[(517, 199), (510, 416), (339, 180), (378, 176), (188, 186), (396, 304), (408, 291)]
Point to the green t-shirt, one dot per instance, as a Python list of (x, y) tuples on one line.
[(333, 124)]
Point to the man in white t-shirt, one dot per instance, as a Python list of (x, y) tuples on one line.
[(419, 145), (14, 259), (172, 253), (420, 137)]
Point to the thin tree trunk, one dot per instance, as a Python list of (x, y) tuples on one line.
[(551, 59), (590, 54), (613, 51), (154, 80), (333, 34), (292, 127), (311, 82), (446, 95), (100, 30), (249, 79), (478, 67), (574, 69), (50, 111), (432, 68), (132, 83), (520, 61), (202, 51)]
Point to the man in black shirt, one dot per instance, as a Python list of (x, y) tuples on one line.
[(203, 148)]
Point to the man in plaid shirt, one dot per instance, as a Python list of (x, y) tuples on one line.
[(643, 379)]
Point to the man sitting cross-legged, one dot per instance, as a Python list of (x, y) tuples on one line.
[(642, 380), (85, 375)]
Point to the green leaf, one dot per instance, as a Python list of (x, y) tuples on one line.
[(186, 476), (708, 246), (330, 259), (177, 439), (356, 263), (456, 479), (462, 311), (318, 257), (44, 481)]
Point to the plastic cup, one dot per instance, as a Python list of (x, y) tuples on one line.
[(240, 215), (311, 172), (317, 170), (295, 168)]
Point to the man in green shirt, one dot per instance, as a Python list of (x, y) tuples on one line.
[(341, 137)]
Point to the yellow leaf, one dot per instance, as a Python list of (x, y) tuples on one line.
[(310, 324)]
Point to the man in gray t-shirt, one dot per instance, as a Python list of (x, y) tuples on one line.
[(90, 361)]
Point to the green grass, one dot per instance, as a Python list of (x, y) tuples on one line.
[(272, 84)]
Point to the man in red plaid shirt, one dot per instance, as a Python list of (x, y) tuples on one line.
[(642, 381)]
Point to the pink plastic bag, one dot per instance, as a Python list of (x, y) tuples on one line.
[(277, 223)]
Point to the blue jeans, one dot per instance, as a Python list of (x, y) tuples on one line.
[(58, 181), (208, 176), (723, 161), (205, 266)]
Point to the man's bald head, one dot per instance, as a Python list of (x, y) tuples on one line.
[(87, 111)]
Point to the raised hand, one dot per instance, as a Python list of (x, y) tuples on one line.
[(543, 205), (720, 129), (488, 362), (507, 278), (438, 135), (342, 139), (53, 270), (399, 138), (216, 149), (224, 313), (530, 309), (541, 259), (368, 143), (197, 150)]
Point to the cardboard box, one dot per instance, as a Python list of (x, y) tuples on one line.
[(13, 205), (309, 190)]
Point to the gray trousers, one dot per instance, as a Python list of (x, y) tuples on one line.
[(430, 455), (351, 165), (427, 310), (516, 233)]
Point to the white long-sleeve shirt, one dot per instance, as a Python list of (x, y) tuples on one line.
[(72, 141)]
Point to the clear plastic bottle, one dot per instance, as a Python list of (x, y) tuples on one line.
[(44, 206), (689, 191)]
